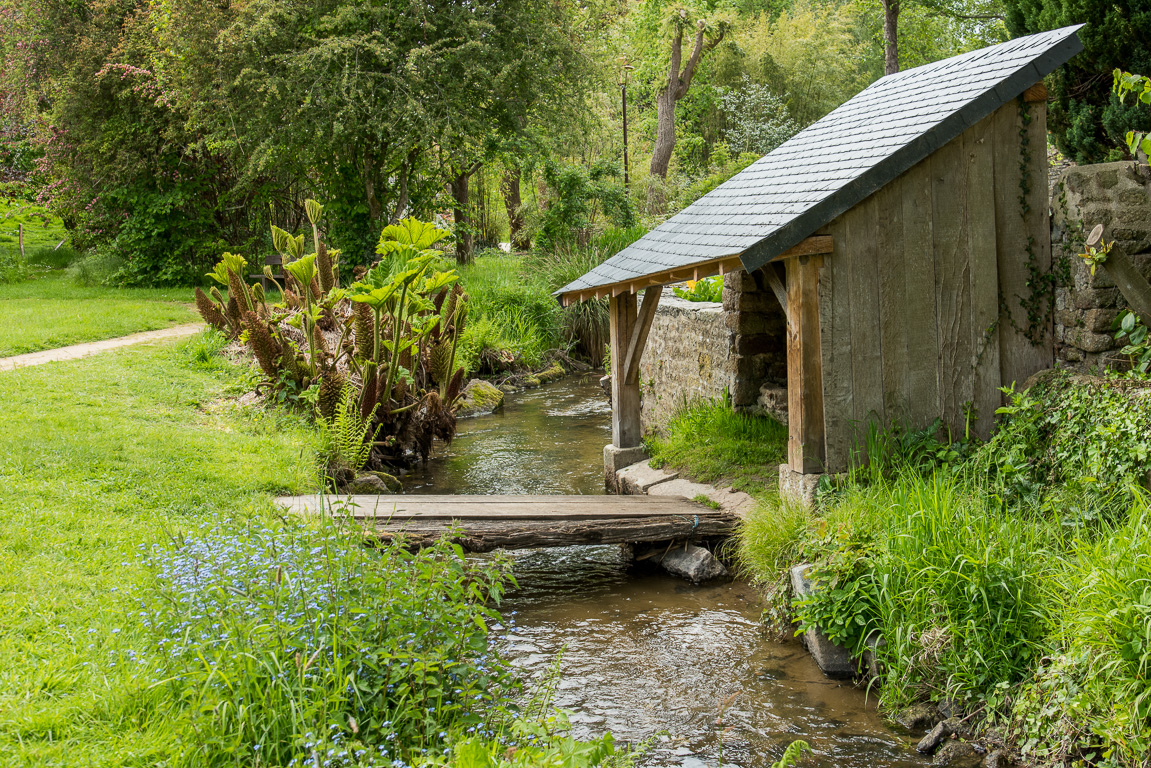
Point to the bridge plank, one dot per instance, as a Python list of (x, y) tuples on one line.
[(500, 507), (484, 523)]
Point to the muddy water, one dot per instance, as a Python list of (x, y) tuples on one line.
[(645, 653)]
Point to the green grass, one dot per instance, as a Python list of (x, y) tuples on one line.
[(158, 610), (40, 230), (511, 310), (99, 457), (711, 443), (52, 311)]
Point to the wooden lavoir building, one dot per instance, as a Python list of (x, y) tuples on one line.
[(900, 233)]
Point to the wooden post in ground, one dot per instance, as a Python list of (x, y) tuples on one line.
[(20, 234), (625, 426), (805, 430)]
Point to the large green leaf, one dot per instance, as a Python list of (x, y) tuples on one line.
[(419, 235), (303, 269)]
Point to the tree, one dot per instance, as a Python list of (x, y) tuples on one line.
[(679, 81), (890, 37), (1087, 121)]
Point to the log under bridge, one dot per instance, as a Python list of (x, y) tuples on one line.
[(484, 523)]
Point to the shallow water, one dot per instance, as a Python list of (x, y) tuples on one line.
[(643, 652)]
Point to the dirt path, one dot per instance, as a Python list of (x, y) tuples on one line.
[(92, 347)]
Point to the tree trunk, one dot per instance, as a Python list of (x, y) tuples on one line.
[(464, 235), (375, 210), (404, 196), (677, 86), (514, 205), (664, 132), (890, 37)]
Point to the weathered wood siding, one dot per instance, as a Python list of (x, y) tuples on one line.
[(912, 325)]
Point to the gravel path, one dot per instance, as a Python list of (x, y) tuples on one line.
[(93, 347)]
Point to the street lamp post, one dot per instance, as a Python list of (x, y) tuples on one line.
[(624, 69)]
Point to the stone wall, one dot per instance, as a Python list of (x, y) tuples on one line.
[(1117, 196), (705, 350)]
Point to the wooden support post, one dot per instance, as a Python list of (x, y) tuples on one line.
[(805, 430), (638, 339), (625, 426)]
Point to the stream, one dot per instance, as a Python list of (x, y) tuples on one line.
[(644, 652)]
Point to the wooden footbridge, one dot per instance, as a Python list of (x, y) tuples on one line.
[(484, 523)]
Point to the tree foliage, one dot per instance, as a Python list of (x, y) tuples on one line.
[(1087, 120)]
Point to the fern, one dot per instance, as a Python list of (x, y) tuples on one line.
[(795, 750), (346, 437)]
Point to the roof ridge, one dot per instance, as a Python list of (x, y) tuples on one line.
[(834, 163)]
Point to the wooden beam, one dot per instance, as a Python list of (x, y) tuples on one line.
[(639, 333), (1035, 93), (814, 245), (625, 424), (805, 428), (778, 289)]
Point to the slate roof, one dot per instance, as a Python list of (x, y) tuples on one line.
[(833, 164)]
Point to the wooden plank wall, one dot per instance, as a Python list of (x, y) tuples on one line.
[(1020, 358), (909, 301)]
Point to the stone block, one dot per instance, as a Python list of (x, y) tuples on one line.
[(1092, 298), (744, 390), (696, 564), (682, 487), (919, 718), (934, 738), (762, 322), (1099, 320), (1069, 318), (615, 459), (635, 480), (797, 486), (833, 660), (479, 398), (1088, 341), (773, 401), (957, 754), (760, 344), (1106, 178)]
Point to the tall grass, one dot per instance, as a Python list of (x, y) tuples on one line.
[(710, 442), (585, 324), (513, 318), (1022, 608)]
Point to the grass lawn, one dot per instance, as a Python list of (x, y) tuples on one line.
[(98, 458), (38, 233), (51, 311), (710, 443)]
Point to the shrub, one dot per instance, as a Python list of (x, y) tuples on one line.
[(1072, 446), (395, 333)]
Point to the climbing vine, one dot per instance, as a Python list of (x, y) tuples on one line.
[(1039, 303)]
